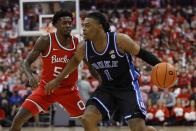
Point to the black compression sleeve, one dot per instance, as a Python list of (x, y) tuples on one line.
[(148, 57)]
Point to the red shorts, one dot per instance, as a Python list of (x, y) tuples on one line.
[(68, 97)]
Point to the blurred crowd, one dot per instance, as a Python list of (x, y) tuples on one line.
[(169, 33)]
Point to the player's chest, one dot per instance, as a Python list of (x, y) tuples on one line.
[(59, 56)]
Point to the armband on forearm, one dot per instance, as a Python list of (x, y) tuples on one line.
[(148, 57)]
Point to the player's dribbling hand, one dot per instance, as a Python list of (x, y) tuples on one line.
[(51, 86), (33, 82)]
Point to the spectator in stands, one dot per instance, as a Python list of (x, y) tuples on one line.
[(11, 80), (3, 96), (85, 88), (168, 98), (145, 85), (193, 80), (2, 116), (6, 107), (178, 113), (193, 95), (18, 85), (185, 97), (145, 81), (161, 113), (4, 121), (6, 90), (154, 95), (190, 113), (150, 116), (16, 98), (15, 109)]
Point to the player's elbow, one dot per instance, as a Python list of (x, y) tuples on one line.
[(76, 60), (25, 64)]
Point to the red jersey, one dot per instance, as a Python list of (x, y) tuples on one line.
[(55, 59), (150, 113), (161, 114), (178, 112), (190, 114)]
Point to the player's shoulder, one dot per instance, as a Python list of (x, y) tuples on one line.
[(43, 42), (121, 36), (81, 44), (44, 38)]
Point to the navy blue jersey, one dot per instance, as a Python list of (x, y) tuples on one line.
[(114, 67)]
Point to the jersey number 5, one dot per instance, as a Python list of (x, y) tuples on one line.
[(57, 71)]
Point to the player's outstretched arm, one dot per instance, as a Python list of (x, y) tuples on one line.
[(93, 71), (40, 46), (126, 44), (70, 67)]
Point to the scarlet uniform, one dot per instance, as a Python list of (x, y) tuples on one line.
[(53, 62), (150, 113), (178, 112), (161, 114), (190, 114)]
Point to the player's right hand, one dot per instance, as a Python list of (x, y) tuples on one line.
[(33, 82), (51, 86)]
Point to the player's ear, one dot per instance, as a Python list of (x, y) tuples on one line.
[(100, 26)]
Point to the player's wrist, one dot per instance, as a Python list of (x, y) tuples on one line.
[(58, 79)]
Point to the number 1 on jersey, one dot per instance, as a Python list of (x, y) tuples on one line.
[(108, 75)]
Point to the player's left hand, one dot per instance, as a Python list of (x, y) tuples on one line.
[(51, 86)]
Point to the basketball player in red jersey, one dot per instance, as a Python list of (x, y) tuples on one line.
[(56, 49)]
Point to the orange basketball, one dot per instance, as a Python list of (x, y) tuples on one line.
[(164, 75)]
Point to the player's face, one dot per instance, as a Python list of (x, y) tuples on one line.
[(64, 25), (90, 28)]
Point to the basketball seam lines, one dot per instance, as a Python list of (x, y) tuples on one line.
[(156, 76), (174, 77), (165, 75)]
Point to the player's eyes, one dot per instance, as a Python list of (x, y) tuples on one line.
[(85, 26), (64, 23)]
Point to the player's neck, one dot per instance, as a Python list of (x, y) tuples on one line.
[(62, 37), (100, 39)]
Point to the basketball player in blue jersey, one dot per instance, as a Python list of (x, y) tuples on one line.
[(108, 55)]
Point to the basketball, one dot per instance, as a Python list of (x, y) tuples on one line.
[(164, 75)]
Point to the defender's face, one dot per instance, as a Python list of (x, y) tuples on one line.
[(64, 25), (90, 28)]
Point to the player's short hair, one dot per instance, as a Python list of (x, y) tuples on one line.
[(60, 14), (101, 19)]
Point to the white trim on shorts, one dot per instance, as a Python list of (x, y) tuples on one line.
[(38, 106)]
